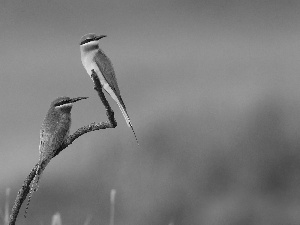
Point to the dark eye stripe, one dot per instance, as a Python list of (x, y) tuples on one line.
[(86, 41), (62, 103)]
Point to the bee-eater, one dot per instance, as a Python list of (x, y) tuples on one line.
[(94, 59), (54, 130)]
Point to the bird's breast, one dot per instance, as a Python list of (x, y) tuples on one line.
[(90, 64)]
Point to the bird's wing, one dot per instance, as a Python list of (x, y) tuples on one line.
[(42, 140), (107, 70)]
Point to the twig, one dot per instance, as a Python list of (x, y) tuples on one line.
[(23, 192)]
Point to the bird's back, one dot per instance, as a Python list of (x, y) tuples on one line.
[(54, 130)]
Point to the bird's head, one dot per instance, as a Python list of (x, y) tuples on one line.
[(64, 103), (90, 39)]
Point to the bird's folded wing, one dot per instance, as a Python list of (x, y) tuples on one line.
[(107, 70)]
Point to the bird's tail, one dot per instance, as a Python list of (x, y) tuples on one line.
[(125, 114)]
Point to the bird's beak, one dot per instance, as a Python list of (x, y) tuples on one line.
[(77, 99), (99, 37)]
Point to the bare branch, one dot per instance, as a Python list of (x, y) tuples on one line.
[(23, 192), (98, 88), (21, 196)]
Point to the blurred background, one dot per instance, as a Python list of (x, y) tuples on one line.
[(212, 89)]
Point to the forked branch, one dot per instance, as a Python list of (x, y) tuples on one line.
[(111, 123)]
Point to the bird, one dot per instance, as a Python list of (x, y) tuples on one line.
[(94, 59), (54, 130)]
